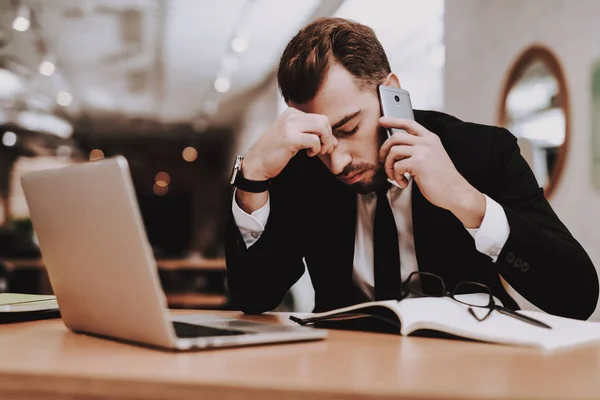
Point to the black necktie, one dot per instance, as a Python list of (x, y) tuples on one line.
[(386, 250)]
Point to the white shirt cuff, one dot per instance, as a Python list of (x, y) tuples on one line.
[(251, 226), (493, 233)]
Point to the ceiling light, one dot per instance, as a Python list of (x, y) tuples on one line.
[(222, 84), (240, 44), (9, 139), (22, 21), (64, 99), (190, 154), (47, 68)]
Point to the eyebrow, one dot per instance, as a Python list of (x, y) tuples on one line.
[(343, 121)]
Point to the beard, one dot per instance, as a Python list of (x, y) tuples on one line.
[(369, 185), (375, 179)]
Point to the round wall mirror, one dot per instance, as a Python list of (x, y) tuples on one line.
[(535, 108)]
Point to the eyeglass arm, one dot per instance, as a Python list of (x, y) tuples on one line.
[(524, 318)]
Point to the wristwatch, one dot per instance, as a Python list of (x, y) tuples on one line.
[(238, 180)]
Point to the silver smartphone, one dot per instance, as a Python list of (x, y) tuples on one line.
[(395, 103)]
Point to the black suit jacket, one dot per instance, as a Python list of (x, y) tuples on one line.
[(313, 216)]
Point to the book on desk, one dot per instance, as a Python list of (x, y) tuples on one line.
[(20, 307), (445, 317)]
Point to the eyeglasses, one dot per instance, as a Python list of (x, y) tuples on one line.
[(472, 294)]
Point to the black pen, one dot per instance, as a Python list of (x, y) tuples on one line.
[(524, 318)]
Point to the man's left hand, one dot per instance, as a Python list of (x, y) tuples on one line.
[(421, 153)]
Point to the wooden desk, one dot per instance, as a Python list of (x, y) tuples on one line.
[(44, 360)]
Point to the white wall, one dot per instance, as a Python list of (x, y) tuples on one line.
[(482, 40), (261, 112)]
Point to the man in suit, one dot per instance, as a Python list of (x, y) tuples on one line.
[(314, 188)]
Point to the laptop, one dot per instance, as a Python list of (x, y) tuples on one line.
[(103, 272)]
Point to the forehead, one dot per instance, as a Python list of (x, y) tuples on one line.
[(340, 94)]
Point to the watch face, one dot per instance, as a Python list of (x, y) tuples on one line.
[(234, 173), (233, 176), (238, 180), (237, 167)]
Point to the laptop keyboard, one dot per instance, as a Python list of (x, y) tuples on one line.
[(186, 331)]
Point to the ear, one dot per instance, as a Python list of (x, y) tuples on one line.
[(392, 80)]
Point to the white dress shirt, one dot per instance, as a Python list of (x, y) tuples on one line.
[(489, 238)]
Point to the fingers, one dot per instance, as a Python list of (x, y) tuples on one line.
[(409, 125), (397, 170), (397, 153), (318, 125), (403, 182), (310, 142), (398, 138), (299, 124)]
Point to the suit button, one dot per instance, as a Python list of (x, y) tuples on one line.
[(525, 267), (510, 258), (518, 263)]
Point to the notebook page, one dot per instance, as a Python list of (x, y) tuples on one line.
[(356, 308), (17, 302), (569, 332), (15, 298), (449, 316)]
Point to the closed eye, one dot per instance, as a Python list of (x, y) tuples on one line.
[(348, 133)]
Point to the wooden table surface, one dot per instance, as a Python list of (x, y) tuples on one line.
[(44, 360)]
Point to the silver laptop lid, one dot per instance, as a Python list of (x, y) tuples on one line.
[(96, 251)]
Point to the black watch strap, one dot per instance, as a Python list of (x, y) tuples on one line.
[(238, 180)]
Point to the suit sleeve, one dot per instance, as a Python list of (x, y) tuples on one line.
[(540, 259), (259, 276)]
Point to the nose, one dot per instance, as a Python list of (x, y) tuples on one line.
[(338, 160)]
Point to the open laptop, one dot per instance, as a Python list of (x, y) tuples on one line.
[(102, 269)]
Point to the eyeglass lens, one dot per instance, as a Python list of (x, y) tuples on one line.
[(425, 284), (430, 285)]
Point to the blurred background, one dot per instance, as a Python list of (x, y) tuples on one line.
[(179, 87)]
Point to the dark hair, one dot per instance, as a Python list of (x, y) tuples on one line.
[(307, 57)]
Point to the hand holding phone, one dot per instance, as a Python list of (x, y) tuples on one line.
[(422, 152), (395, 103)]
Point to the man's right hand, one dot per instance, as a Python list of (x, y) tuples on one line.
[(293, 131), (290, 133)]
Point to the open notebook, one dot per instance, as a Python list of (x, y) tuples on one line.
[(430, 316), (19, 307)]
